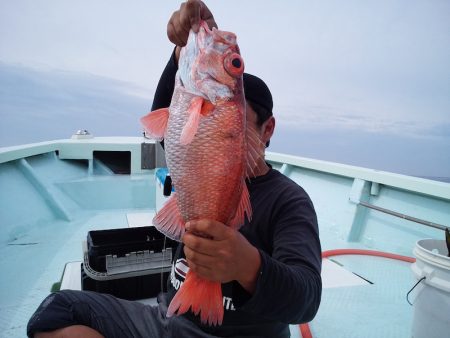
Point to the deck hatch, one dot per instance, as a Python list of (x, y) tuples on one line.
[(119, 162)]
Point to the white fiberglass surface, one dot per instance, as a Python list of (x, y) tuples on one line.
[(36, 259), (36, 243), (47, 208)]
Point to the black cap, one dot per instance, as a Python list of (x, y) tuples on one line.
[(259, 96)]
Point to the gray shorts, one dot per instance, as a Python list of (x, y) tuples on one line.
[(111, 316)]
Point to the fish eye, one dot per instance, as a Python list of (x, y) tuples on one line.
[(236, 63)]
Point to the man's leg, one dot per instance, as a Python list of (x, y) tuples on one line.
[(104, 314), (74, 331)]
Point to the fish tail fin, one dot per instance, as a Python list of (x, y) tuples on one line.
[(202, 297), (169, 220), (155, 123), (191, 126), (244, 207)]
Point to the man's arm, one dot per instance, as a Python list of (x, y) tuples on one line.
[(284, 286), (289, 286), (166, 85)]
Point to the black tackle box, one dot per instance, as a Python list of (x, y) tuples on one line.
[(129, 263)]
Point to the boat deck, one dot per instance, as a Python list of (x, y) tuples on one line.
[(53, 195), (368, 309)]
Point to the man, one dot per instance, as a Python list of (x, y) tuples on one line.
[(269, 270)]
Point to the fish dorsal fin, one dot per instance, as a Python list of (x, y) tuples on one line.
[(255, 148), (155, 123)]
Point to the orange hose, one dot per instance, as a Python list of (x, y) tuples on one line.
[(339, 252), (305, 331)]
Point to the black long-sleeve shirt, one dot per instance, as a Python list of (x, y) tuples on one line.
[(285, 231)]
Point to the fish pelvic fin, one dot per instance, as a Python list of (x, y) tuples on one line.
[(155, 123), (244, 208), (169, 220), (202, 296)]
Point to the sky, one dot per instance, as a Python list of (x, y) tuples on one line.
[(365, 83)]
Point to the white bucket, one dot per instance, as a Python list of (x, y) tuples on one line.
[(432, 303)]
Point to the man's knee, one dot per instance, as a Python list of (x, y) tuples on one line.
[(57, 311), (73, 331)]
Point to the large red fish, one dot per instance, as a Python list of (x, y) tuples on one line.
[(204, 132)]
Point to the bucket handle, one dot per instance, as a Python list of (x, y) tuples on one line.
[(407, 295)]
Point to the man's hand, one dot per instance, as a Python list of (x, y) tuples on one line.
[(188, 16), (219, 253)]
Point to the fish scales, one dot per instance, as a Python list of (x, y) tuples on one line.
[(206, 172)]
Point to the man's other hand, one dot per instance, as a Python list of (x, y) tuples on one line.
[(219, 253)]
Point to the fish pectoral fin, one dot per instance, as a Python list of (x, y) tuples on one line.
[(169, 220), (155, 123), (244, 208), (191, 126)]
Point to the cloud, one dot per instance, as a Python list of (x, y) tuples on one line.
[(380, 151), (327, 117), (38, 105), (381, 104), (114, 39)]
